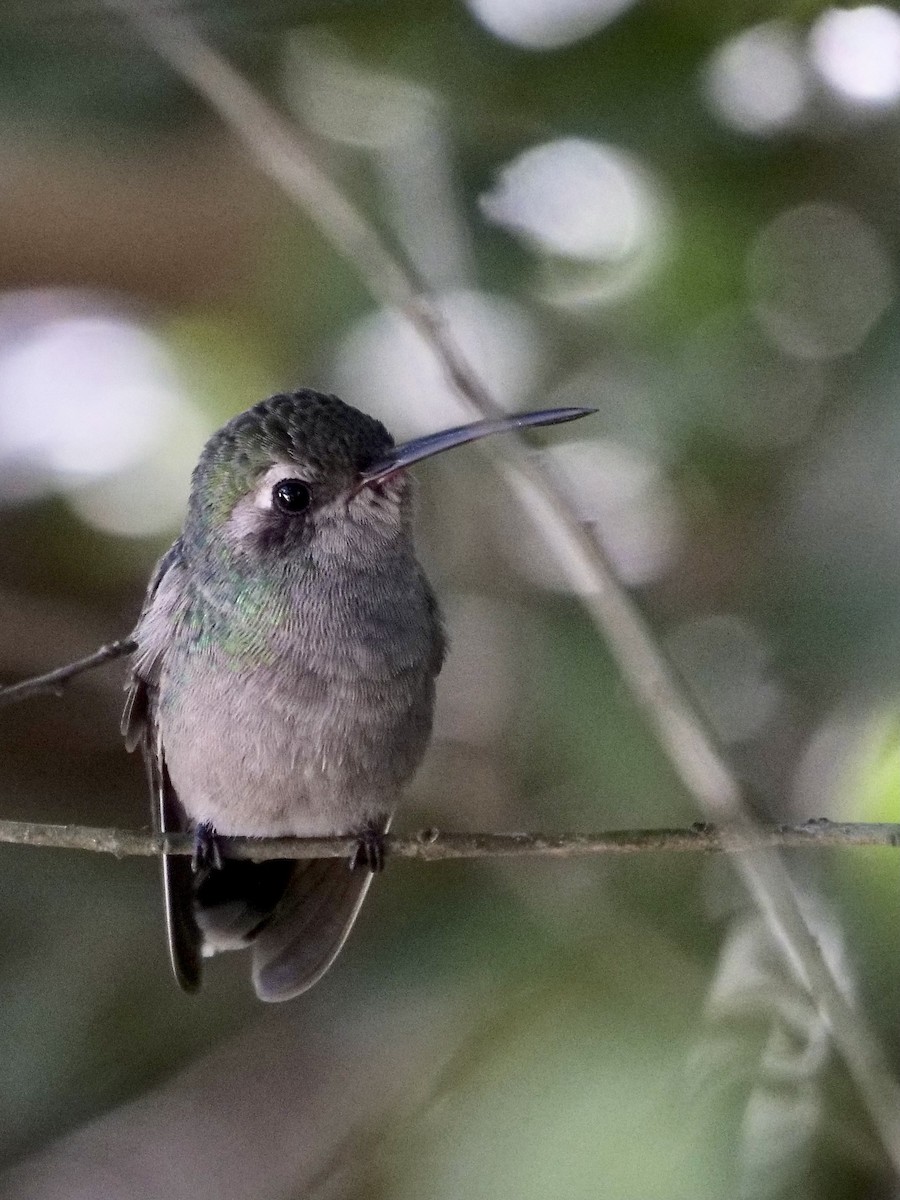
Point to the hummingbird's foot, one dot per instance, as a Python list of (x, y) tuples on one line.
[(207, 853), (370, 850)]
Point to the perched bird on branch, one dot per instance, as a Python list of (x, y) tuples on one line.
[(283, 681)]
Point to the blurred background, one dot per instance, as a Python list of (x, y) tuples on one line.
[(686, 214)]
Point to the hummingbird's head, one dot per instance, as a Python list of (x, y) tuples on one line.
[(305, 475), (286, 474)]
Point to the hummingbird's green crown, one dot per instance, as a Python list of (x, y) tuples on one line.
[(314, 431)]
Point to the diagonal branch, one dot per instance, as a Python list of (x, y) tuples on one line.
[(432, 845), (281, 153), (54, 681)]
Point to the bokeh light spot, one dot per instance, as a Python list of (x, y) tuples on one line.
[(586, 202), (546, 24), (385, 366), (622, 493), (81, 396), (819, 279), (857, 52), (756, 82), (91, 406)]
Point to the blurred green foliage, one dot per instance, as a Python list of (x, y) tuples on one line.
[(575, 1081)]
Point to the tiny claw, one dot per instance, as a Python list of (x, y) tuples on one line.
[(370, 850), (207, 852)]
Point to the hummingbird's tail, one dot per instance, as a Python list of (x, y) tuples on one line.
[(295, 915), (308, 928)]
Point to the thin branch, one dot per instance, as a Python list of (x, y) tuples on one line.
[(432, 845), (54, 681), (282, 154)]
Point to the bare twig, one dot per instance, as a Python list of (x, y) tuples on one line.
[(281, 153), (431, 845), (54, 681)]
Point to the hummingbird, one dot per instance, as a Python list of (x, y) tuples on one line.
[(283, 680)]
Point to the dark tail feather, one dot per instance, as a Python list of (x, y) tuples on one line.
[(178, 879), (184, 937), (310, 925)]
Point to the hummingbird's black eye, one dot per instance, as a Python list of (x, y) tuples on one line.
[(291, 495)]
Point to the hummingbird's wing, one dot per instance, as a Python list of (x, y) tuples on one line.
[(139, 728), (438, 635)]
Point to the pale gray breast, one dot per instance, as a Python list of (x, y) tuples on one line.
[(318, 727)]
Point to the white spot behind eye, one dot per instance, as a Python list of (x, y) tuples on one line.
[(262, 495)]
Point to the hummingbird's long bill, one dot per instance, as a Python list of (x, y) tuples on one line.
[(408, 453)]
